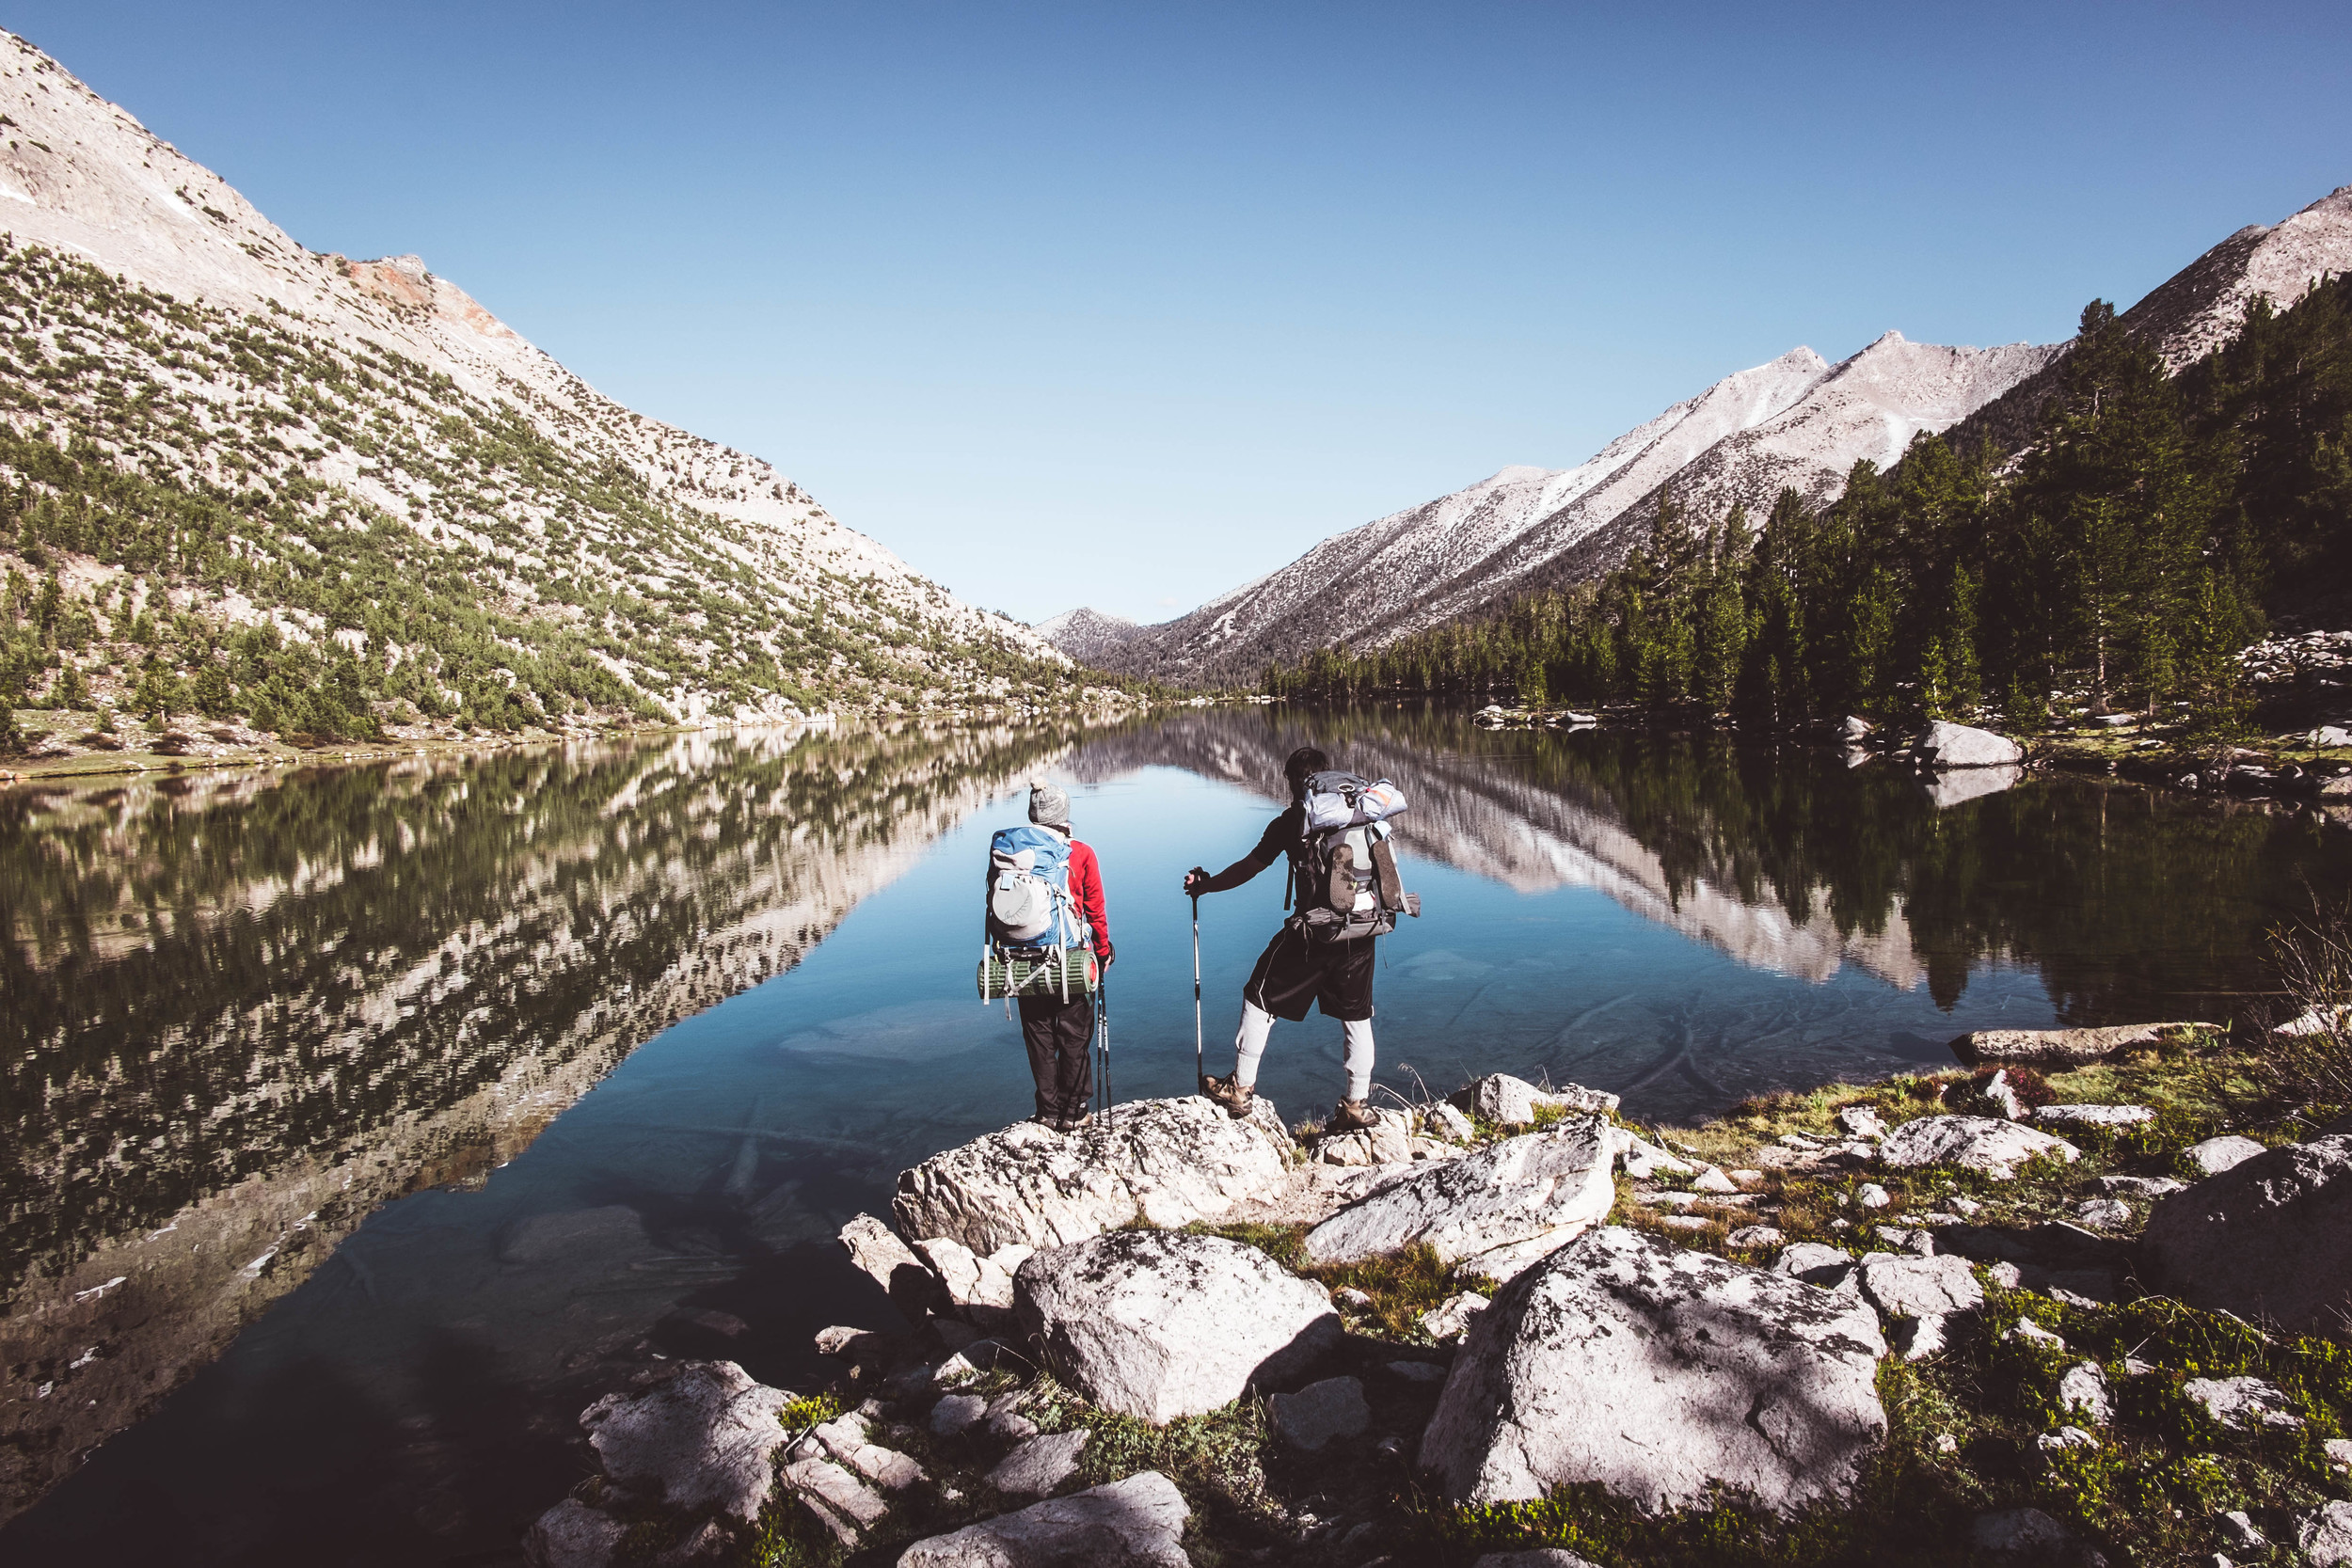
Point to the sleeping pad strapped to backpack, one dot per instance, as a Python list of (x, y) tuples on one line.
[(1343, 873), (1036, 942)]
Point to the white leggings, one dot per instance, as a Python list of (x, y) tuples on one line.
[(1250, 1044)]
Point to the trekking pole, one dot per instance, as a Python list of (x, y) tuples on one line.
[(1199, 1067), (1102, 1017)]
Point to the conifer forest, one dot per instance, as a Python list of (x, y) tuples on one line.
[(2153, 527)]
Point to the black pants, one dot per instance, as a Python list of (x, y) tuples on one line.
[(1061, 1037)]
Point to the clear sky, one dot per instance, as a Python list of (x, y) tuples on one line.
[(1127, 304)]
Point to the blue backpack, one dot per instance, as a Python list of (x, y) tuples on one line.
[(1030, 906)]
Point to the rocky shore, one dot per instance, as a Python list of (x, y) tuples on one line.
[(2082, 1299)]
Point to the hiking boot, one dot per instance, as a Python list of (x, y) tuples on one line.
[(1074, 1124), (1351, 1116), (1227, 1091)]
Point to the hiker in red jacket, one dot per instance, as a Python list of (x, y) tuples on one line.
[(1060, 1034)]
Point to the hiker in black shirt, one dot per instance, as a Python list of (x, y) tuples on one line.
[(1296, 969)]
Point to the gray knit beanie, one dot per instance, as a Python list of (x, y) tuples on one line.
[(1048, 807)]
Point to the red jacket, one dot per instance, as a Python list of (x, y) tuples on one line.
[(1085, 891)]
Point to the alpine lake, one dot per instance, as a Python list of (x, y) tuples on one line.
[(367, 1121)]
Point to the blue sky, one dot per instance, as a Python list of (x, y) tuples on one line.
[(1127, 304)]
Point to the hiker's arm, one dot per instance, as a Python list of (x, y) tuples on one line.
[(1086, 888), (1197, 881)]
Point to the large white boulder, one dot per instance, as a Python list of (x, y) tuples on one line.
[(1509, 1101), (1166, 1162), (702, 1440), (1985, 1144), (2264, 1240), (1136, 1523), (1160, 1325), (1658, 1373), (1554, 1182), (1950, 745)]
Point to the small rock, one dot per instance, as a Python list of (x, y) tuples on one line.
[(1815, 1263), (1925, 1290), (1948, 745), (1136, 1523), (908, 1381), (847, 1439), (839, 1499), (1644, 1162), (2240, 1532), (2004, 1096), (1713, 1180), (1754, 1236), (1872, 1196), (850, 1342), (2034, 1333), (2018, 1532), (2083, 1391), (573, 1535), (2139, 1186), (2093, 1116), (1451, 1318), (1686, 1221), (702, 1440), (1321, 1413), (2063, 1438), (2227, 1152), (1983, 1144), (2241, 1404), (1539, 1556), (2105, 1213), (705, 1543), (2323, 1535), (2339, 1452), (1965, 1205), (1509, 1101), (877, 1252), (1040, 1465), (1861, 1121), (1443, 1121), (1919, 1242), (1347, 1295), (1011, 1429), (957, 1414), (1420, 1371)]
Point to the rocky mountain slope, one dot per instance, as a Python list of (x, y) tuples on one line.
[(207, 420), (1089, 636), (1797, 421), (2198, 308)]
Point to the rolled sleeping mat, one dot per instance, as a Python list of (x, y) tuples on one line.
[(1068, 971)]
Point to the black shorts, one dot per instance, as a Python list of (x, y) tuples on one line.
[(1292, 972)]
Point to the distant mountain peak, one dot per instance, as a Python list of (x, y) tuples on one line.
[(1086, 635)]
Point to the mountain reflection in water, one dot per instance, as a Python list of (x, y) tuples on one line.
[(245, 1013)]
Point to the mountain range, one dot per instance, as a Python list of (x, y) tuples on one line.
[(1797, 422), (326, 421)]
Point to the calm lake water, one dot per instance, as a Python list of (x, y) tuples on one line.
[(363, 1123)]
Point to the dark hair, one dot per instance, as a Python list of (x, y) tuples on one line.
[(1306, 760)]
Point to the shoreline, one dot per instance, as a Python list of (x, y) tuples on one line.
[(1996, 1285)]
